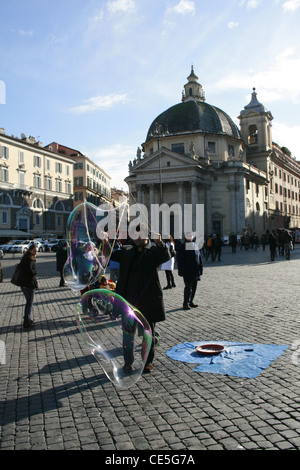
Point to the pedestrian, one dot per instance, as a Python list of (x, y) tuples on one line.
[(209, 247), (217, 247), (28, 282), (139, 281), (255, 241), (190, 267), (288, 244), (168, 266), (61, 258), (273, 244), (263, 241), (246, 241), (280, 239), (233, 242), (114, 266)]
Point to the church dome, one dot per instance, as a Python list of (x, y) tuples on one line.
[(193, 115)]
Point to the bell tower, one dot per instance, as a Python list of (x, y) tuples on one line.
[(256, 127)]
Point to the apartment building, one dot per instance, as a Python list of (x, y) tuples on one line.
[(91, 183), (36, 188), (284, 209)]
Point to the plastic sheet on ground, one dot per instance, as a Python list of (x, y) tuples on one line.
[(237, 359)]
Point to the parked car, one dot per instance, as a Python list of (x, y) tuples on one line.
[(23, 246), (40, 242), (7, 246), (20, 247)]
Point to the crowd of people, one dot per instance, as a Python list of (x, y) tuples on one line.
[(134, 267)]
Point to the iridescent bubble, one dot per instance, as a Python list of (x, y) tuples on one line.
[(117, 334), (88, 255), (89, 229)]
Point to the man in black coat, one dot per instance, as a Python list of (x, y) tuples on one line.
[(273, 244), (190, 267), (139, 283), (61, 258)]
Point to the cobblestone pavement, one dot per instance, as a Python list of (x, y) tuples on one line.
[(53, 394)]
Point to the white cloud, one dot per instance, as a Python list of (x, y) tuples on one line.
[(287, 136), (114, 160), (277, 82), (100, 102), (29, 32), (252, 4), (123, 6), (232, 24), (291, 5), (184, 7)]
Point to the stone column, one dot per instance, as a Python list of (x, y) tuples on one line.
[(139, 194), (181, 203), (207, 209), (232, 188), (241, 204), (152, 194), (180, 194), (194, 193)]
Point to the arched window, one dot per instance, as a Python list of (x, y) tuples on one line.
[(59, 206), (37, 204), (5, 199), (252, 137)]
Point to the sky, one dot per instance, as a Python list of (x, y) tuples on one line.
[(94, 74)]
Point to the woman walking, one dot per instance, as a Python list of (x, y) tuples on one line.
[(28, 282), (168, 266)]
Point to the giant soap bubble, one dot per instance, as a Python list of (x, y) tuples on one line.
[(88, 254), (117, 334)]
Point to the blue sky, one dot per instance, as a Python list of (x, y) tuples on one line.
[(94, 74)]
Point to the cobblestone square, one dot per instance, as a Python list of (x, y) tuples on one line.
[(54, 395)]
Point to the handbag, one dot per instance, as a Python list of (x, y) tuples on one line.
[(16, 277), (172, 251)]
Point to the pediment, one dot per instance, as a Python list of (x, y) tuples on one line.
[(166, 158), (24, 211)]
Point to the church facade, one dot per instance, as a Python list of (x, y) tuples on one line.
[(195, 154)]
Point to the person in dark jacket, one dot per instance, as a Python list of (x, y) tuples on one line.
[(217, 247), (28, 282), (139, 282), (190, 267), (61, 258), (273, 244)]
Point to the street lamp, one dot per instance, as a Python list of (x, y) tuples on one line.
[(159, 134)]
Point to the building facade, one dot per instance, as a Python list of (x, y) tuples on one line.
[(36, 188), (195, 154), (282, 204), (91, 183)]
